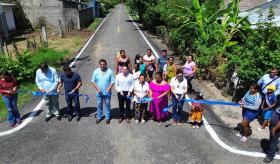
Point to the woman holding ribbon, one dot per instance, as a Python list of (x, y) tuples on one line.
[(141, 90), (250, 104), (159, 90)]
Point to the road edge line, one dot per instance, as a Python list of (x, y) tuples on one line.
[(42, 102), (208, 127)]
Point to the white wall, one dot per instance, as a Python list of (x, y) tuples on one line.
[(9, 17)]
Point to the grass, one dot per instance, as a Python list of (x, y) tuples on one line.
[(58, 49), (93, 26), (49, 55), (22, 99), (71, 44), (133, 15)]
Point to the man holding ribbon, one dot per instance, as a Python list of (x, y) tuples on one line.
[(47, 81), (124, 82), (103, 81), (72, 82), (179, 87)]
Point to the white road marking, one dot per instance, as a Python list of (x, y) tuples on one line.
[(118, 29), (42, 102), (208, 127)]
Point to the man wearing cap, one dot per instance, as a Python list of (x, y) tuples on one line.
[(47, 81), (274, 136), (268, 105)]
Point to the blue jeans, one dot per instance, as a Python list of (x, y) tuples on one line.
[(99, 101), (273, 145), (177, 107), (11, 105), (69, 99)]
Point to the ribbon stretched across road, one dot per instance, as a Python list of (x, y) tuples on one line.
[(38, 93), (208, 102)]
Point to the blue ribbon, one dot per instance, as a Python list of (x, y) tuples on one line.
[(208, 102), (39, 93)]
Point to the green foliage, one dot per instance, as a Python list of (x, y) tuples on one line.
[(216, 35), (25, 65), (93, 26), (106, 5)]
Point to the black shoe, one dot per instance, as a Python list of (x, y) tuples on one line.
[(70, 118), (58, 118), (267, 160), (97, 121), (47, 119), (78, 118), (108, 121)]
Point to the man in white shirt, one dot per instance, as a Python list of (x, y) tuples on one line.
[(123, 85), (179, 88), (149, 60)]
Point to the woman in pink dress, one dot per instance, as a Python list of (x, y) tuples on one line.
[(159, 90)]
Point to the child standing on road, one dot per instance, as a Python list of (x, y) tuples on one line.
[(196, 112), (268, 105)]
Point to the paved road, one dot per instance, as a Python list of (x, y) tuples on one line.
[(85, 142)]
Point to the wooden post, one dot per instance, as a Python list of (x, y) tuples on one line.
[(60, 32), (1, 46), (44, 34)]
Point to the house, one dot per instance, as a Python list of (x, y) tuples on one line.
[(248, 4), (261, 12), (72, 14), (7, 10)]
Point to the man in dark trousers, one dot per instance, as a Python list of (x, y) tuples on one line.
[(274, 136), (72, 82)]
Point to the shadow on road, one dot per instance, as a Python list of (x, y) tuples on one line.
[(27, 114)]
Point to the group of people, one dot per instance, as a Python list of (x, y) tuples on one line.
[(137, 85), (148, 95), (262, 102)]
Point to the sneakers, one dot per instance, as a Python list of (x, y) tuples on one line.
[(160, 123), (19, 121), (107, 121), (259, 129), (47, 119), (136, 121), (143, 121), (179, 123), (120, 120), (193, 126), (267, 160), (78, 118), (238, 134), (174, 123), (97, 121), (12, 125), (197, 127), (58, 118), (243, 139)]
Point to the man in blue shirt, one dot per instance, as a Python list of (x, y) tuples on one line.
[(47, 81), (270, 79), (103, 81), (161, 61), (72, 82)]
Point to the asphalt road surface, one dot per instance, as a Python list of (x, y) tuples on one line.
[(86, 142)]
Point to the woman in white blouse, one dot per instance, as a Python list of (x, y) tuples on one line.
[(141, 91)]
